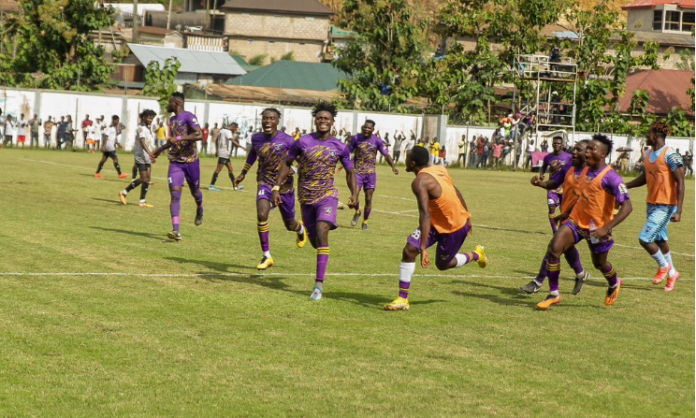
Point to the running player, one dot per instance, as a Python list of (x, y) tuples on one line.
[(183, 160), (317, 155), (109, 148), (364, 147), (592, 218), (143, 159), (223, 148), (444, 219), (557, 163), (570, 197), (271, 148), (664, 175)]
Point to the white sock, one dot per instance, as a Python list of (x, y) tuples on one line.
[(668, 257), (406, 271), (580, 275), (462, 259), (554, 293), (267, 254), (301, 231), (125, 192), (142, 200), (660, 259)]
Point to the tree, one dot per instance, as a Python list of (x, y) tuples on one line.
[(160, 82), (384, 60), (50, 48)]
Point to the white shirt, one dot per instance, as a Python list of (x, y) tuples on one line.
[(224, 143), (22, 128), (110, 138), (142, 134)]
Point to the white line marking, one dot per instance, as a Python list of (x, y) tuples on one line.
[(641, 248), (185, 275)]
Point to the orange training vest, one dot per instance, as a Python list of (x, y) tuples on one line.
[(447, 214), (662, 189), (594, 203), (571, 191)]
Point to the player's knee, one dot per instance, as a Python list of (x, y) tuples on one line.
[(290, 225), (409, 253), (442, 265), (600, 265)]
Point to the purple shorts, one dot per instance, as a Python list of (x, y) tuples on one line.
[(601, 247), (366, 181), (191, 172), (287, 205), (554, 198), (323, 210), (448, 245)]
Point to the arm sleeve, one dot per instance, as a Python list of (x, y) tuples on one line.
[(344, 157), (250, 160), (192, 121), (353, 144), (295, 150), (381, 147), (674, 160), (614, 185)]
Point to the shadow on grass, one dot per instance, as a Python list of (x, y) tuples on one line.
[(115, 179), (114, 201), (213, 265), (521, 231), (157, 237), (369, 300)]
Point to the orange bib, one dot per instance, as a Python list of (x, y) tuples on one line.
[(571, 192), (662, 189), (594, 205), (447, 214)]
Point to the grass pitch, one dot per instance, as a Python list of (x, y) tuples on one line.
[(106, 318)]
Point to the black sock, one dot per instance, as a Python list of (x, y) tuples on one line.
[(143, 191), (117, 166), (232, 178), (133, 185), (135, 171), (215, 176), (99, 168)]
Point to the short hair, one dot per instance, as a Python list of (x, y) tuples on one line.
[(234, 123), (560, 138), (114, 117), (147, 112), (323, 106), (420, 156), (604, 140), (271, 109), (370, 121), (583, 141), (178, 95), (661, 128)]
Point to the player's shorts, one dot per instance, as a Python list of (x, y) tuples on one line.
[(448, 245), (223, 161), (655, 228), (324, 210), (554, 198), (287, 205), (91, 141), (366, 181), (21, 139), (143, 166), (109, 154), (178, 172), (601, 247)]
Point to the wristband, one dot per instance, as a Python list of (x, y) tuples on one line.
[(243, 173), (178, 138), (275, 189)]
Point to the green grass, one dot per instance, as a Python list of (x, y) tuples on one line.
[(214, 338)]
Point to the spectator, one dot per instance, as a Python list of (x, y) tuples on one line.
[(22, 126), (435, 151), (544, 145), (486, 153), (443, 155), (60, 135), (204, 143), (530, 149), (473, 152), (34, 124), (462, 151), (214, 133), (387, 145), (70, 132), (161, 134), (479, 151), (10, 127), (48, 126), (398, 142), (688, 160), (86, 124), (296, 135), (497, 153)]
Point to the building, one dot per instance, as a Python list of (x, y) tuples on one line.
[(275, 28), (667, 90), (663, 16), (292, 75)]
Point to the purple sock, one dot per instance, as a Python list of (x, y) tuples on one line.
[(553, 267), (322, 262), (572, 256), (552, 221), (610, 275), (403, 289), (175, 208), (541, 276), (263, 229), (198, 196), (368, 209)]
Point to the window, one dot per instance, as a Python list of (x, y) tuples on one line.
[(688, 22), (672, 20), (309, 18), (657, 20)]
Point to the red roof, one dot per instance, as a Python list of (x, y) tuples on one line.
[(667, 89), (642, 4)]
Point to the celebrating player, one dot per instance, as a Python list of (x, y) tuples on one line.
[(570, 197), (271, 148), (183, 160), (557, 163), (109, 148), (592, 218), (226, 139), (317, 155), (143, 159), (664, 175), (365, 147), (444, 219)]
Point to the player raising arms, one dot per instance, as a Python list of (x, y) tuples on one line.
[(317, 155), (183, 160), (664, 175), (365, 146), (143, 158), (271, 148), (557, 163), (444, 219), (592, 218), (109, 148), (570, 197)]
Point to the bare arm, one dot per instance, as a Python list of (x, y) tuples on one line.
[(285, 168), (420, 190), (678, 175), (640, 181)]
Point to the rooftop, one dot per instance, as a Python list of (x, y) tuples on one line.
[(292, 75), (192, 61), (297, 7), (667, 89), (649, 4)]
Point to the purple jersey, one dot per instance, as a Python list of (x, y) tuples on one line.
[(183, 124), (271, 152), (317, 160), (612, 183), (366, 152), (557, 166)]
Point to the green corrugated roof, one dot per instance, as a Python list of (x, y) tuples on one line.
[(292, 75), (245, 65), (336, 31)]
